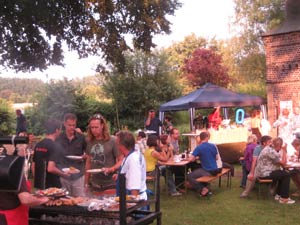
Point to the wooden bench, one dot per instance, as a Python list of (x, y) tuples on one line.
[(261, 182), (209, 179)]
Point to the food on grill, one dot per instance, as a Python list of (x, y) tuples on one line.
[(52, 192), (65, 201), (128, 198)]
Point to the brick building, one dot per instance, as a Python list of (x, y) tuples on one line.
[(282, 48)]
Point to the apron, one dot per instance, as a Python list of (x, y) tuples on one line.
[(16, 216), (118, 178), (19, 215)]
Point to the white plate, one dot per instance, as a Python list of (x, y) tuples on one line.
[(95, 171), (74, 157), (150, 132), (73, 171)]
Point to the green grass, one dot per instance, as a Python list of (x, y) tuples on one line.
[(225, 207)]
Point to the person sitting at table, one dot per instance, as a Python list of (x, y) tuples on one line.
[(295, 173), (159, 152), (208, 155), (177, 170), (269, 164), (264, 141), (141, 142), (214, 119)]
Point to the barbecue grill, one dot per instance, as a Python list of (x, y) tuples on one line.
[(42, 215)]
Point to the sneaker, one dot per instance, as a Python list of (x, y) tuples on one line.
[(174, 194), (277, 197), (286, 201)]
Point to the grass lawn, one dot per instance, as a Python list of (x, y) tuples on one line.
[(226, 207)]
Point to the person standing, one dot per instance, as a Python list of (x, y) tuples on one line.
[(215, 118), (21, 122), (152, 122), (102, 153), (133, 166), (73, 144), (168, 125), (14, 205), (296, 122), (47, 154), (256, 123), (247, 161)]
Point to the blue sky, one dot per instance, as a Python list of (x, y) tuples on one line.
[(205, 18)]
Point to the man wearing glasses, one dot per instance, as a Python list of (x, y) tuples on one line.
[(102, 153)]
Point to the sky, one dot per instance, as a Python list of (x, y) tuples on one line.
[(205, 18)]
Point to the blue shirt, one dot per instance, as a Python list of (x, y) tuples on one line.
[(207, 153)]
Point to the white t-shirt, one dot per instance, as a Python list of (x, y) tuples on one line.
[(134, 167)]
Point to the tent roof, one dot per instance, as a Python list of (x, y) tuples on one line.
[(210, 95)]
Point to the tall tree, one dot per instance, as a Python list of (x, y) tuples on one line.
[(205, 65), (180, 51), (255, 17), (7, 123), (145, 84), (33, 32)]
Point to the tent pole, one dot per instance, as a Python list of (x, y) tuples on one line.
[(192, 116), (161, 117), (264, 111)]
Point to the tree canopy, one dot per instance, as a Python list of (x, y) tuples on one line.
[(205, 65), (145, 84), (255, 17), (33, 32)]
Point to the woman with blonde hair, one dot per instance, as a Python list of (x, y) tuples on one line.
[(247, 161)]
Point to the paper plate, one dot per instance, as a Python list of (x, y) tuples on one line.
[(70, 170), (74, 157), (95, 171)]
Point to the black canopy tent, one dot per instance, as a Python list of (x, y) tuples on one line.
[(208, 96)]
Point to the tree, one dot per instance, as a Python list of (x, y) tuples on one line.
[(254, 18), (178, 52), (205, 65), (33, 32), (145, 84), (7, 123)]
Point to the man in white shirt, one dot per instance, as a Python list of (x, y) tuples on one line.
[(133, 165)]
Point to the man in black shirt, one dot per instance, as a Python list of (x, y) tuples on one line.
[(47, 154), (73, 146)]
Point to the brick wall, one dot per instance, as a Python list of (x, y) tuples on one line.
[(283, 70)]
